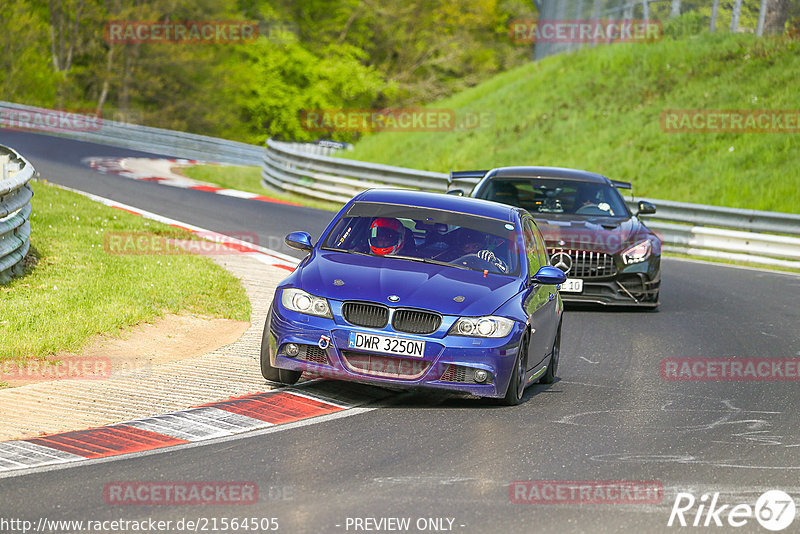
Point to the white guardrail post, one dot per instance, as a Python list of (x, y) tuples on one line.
[(708, 231), (15, 212)]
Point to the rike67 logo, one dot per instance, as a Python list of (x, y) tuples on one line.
[(774, 510)]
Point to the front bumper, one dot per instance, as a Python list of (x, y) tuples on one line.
[(631, 285), (448, 363)]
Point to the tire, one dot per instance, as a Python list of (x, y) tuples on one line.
[(552, 369), (274, 374), (516, 386)]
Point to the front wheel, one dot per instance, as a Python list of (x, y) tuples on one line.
[(275, 374), (516, 386), (550, 375)]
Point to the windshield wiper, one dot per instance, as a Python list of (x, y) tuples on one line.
[(430, 262), (346, 251), (411, 258)]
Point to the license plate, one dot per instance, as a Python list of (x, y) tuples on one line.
[(386, 344), (572, 285)]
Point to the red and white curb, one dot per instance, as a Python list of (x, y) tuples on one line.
[(236, 246), (160, 171), (211, 421)]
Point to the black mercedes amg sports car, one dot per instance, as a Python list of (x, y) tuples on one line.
[(609, 256)]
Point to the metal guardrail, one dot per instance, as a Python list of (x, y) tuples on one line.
[(709, 231), (15, 212), (726, 233), (287, 167), (136, 137), (721, 243)]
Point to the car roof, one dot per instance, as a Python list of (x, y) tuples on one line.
[(423, 199), (551, 172)]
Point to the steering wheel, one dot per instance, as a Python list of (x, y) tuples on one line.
[(473, 261), (590, 209)]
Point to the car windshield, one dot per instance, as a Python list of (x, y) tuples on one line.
[(557, 196), (426, 235)]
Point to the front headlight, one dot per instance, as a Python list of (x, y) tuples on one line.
[(303, 302), (637, 253), (489, 326)]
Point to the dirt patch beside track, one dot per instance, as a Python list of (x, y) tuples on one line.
[(173, 337)]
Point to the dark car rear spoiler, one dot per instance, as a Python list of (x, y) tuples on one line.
[(466, 176), (621, 185)]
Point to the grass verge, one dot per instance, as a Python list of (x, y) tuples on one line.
[(600, 109), (73, 289)]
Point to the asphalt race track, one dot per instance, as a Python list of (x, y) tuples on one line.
[(610, 417), (59, 160)]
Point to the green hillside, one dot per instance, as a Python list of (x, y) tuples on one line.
[(599, 109)]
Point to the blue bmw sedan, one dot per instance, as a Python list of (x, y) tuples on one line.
[(415, 289)]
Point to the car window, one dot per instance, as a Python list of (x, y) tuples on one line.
[(544, 256), (531, 249), (412, 233), (557, 196)]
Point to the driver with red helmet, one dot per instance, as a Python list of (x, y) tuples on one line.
[(386, 236)]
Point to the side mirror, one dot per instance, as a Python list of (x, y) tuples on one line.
[(645, 208), (457, 192), (549, 275), (299, 240)]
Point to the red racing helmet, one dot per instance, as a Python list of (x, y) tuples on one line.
[(386, 236)]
